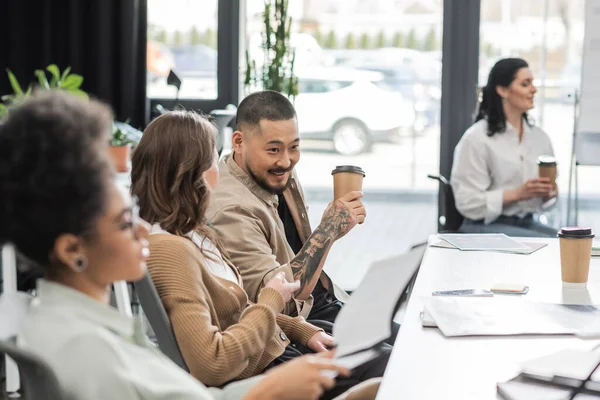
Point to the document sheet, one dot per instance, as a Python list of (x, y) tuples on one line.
[(460, 316)]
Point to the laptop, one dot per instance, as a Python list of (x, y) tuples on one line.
[(365, 321)]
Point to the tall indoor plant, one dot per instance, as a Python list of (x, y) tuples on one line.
[(276, 70)]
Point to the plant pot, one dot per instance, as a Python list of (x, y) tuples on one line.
[(121, 157)]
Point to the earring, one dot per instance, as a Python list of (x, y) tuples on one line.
[(80, 262)]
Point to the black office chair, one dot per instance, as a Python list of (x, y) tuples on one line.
[(159, 320), (222, 119), (450, 219), (38, 379)]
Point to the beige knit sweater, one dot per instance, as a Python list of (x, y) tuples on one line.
[(220, 334)]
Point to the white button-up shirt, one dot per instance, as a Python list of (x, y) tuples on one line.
[(92, 350), (484, 167)]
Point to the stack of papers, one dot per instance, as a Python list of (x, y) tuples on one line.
[(555, 376), (569, 364), (525, 388), (497, 242), (480, 316)]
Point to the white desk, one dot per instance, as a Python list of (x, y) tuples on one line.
[(426, 365)]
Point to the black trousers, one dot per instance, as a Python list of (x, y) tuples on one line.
[(372, 369)]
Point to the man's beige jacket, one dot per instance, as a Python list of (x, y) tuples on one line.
[(246, 219)]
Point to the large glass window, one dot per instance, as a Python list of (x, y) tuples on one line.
[(369, 94), (182, 36)]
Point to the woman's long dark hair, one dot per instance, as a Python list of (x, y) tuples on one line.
[(490, 106)]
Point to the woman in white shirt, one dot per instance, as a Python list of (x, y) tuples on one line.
[(495, 174), (63, 211)]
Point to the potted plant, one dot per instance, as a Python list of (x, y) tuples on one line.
[(120, 146), (64, 80), (123, 135), (276, 69)]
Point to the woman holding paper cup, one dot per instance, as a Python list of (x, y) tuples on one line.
[(504, 169)]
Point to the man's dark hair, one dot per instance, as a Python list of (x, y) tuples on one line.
[(268, 104), (54, 171)]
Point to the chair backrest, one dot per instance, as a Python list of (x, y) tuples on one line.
[(222, 119), (159, 320), (39, 381), (450, 218), (13, 309)]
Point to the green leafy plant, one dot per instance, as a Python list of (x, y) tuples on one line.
[(381, 40), (319, 37), (351, 41), (430, 43), (277, 68), (331, 41), (52, 78), (121, 134), (398, 40), (61, 81), (411, 40), (365, 41)]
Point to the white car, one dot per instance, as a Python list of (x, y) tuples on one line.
[(351, 108)]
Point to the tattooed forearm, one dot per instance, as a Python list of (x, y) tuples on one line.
[(307, 265)]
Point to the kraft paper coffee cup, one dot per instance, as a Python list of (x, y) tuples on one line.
[(547, 169), (575, 255), (346, 178)]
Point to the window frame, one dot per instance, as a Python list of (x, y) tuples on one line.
[(228, 34)]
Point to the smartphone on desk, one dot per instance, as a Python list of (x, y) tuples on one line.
[(464, 293)]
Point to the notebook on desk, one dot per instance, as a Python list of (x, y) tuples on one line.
[(483, 242), (556, 376), (487, 242), (525, 388)]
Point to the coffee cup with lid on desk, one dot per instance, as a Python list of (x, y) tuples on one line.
[(575, 255)]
